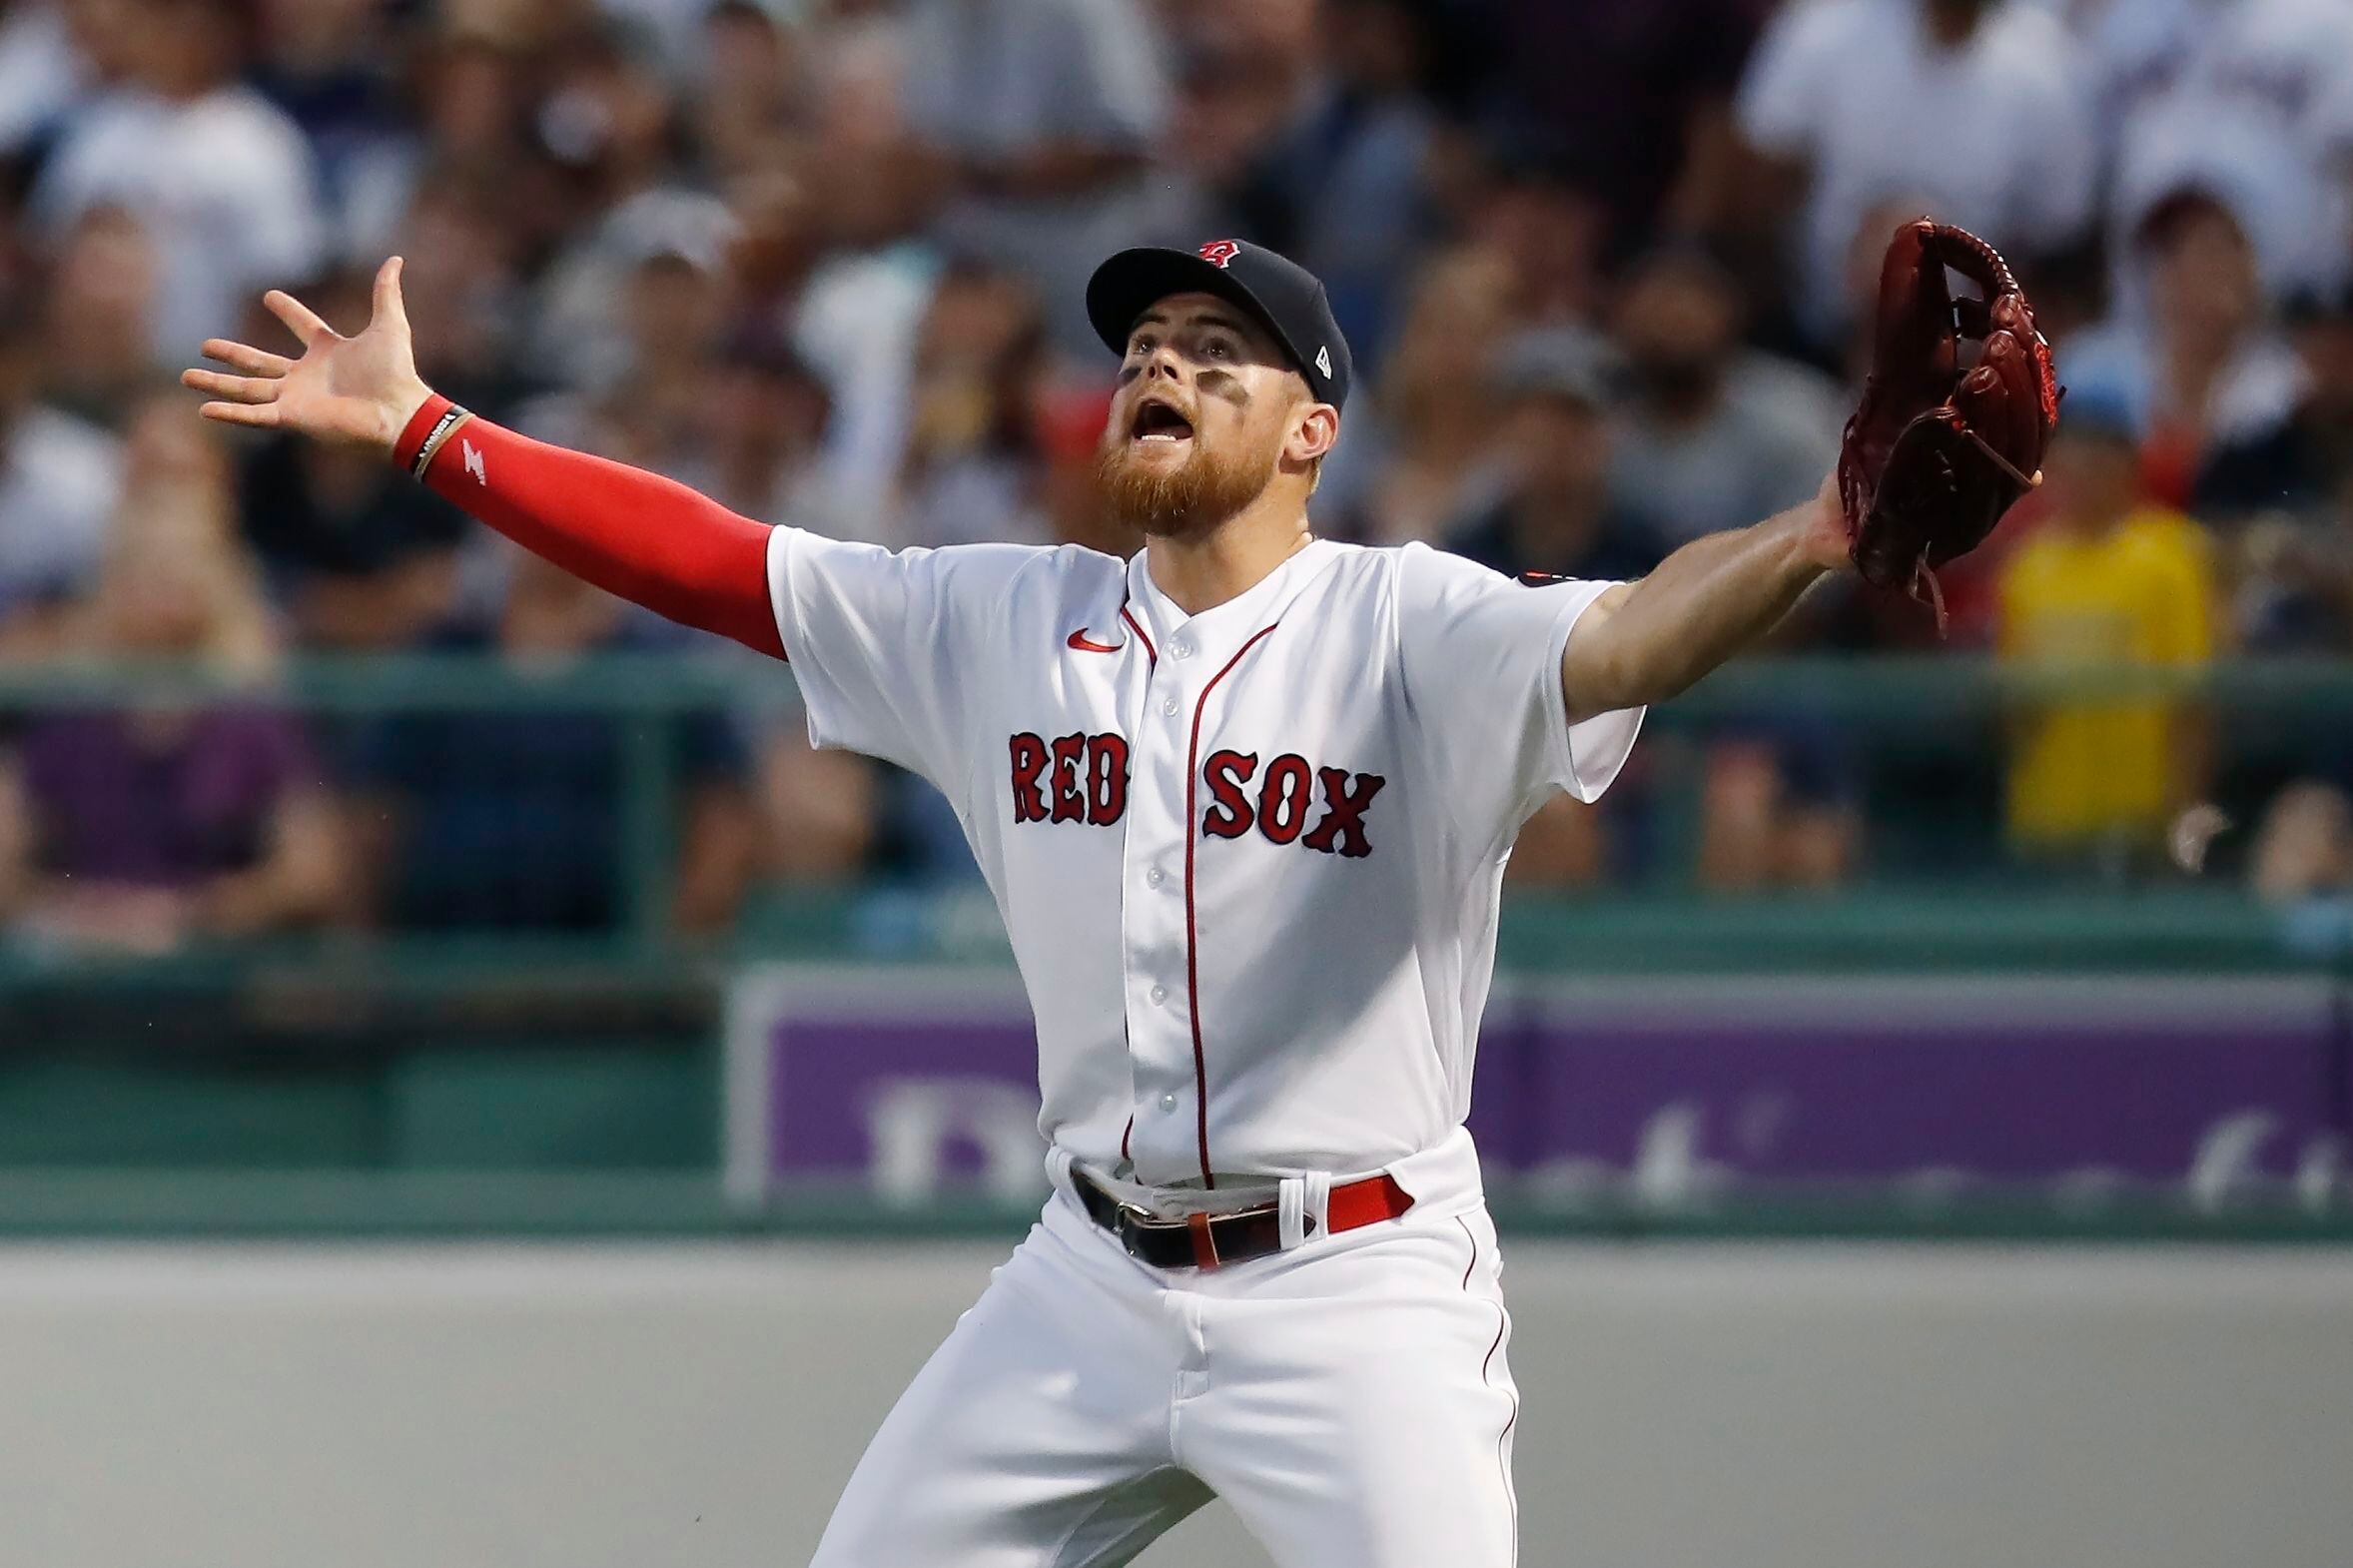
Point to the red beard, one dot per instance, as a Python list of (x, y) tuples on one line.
[(1198, 493)]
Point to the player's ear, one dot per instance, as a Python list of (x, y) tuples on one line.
[(1313, 429)]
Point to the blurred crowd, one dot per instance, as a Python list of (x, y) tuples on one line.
[(1607, 267)]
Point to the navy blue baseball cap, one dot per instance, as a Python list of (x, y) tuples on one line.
[(1280, 295)]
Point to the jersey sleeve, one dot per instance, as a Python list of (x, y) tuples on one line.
[(1480, 657), (890, 647)]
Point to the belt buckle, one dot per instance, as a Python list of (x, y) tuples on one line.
[(1134, 1218)]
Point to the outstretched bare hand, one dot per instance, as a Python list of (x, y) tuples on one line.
[(351, 391)]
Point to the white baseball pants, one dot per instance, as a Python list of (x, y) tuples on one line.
[(1349, 1397)]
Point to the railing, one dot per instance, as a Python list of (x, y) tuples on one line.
[(1866, 688), (1924, 708)]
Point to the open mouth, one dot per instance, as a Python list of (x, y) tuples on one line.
[(1160, 423)]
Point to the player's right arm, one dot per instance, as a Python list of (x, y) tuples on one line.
[(632, 533), (1646, 642), (885, 644)]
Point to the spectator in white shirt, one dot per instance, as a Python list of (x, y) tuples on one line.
[(1975, 107), (221, 180), (1042, 115), (2252, 96)]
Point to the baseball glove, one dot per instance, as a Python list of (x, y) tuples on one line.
[(1942, 444)]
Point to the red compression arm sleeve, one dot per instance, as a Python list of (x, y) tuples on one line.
[(632, 533)]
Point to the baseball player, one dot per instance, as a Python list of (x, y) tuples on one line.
[(1244, 802)]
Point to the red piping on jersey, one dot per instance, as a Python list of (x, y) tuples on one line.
[(1192, 966), (1503, 1322), (1149, 652), (1151, 659)]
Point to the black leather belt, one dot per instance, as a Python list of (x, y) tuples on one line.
[(1208, 1241)]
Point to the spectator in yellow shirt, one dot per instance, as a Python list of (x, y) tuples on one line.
[(2108, 579)]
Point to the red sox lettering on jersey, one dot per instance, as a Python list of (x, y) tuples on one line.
[(1180, 816), (1083, 778)]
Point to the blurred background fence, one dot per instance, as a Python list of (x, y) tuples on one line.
[(1951, 1040)]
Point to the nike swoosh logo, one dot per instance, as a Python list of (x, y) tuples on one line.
[(1087, 644)]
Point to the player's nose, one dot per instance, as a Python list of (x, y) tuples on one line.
[(1164, 363)]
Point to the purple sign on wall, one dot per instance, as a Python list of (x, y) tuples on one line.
[(1669, 1092), (910, 1080), (2075, 1086)]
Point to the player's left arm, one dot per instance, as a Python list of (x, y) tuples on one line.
[(1646, 642)]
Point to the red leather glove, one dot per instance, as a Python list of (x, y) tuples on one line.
[(1943, 443)]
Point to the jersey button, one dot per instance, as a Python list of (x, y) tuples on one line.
[(1169, 708), (1182, 648), (1160, 995), (1167, 1101), (1154, 877)]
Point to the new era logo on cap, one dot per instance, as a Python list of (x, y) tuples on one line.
[(1284, 297)]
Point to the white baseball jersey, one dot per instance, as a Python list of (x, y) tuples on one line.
[(1249, 860)]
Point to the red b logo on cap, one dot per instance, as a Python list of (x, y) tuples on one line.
[(1220, 252)]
